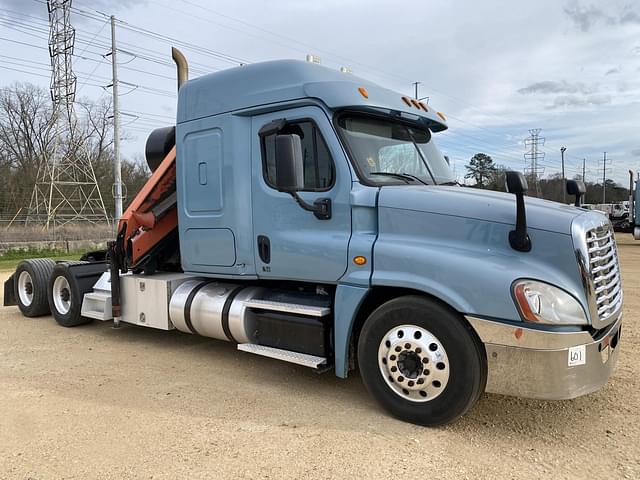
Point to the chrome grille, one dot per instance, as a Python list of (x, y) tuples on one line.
[(605, 272)]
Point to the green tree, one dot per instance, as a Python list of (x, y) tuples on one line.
[(480, 168)]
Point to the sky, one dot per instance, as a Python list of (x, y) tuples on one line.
[(495, 68)]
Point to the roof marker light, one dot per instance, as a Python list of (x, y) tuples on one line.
[(423, 106), (407, 100), (441, 115), (363, 92)]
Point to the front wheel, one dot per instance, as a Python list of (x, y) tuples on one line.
[(421, 361)]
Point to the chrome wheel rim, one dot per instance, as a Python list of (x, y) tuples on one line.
[(414, 363), (25, 288), (61, 295)]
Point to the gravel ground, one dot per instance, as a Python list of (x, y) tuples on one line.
[(94, 402)]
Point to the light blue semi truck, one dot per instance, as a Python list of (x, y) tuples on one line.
[(307, 215)]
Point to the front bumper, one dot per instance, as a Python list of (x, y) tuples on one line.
[(547, 365)]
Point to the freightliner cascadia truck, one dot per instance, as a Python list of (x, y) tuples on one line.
[(307, 215)]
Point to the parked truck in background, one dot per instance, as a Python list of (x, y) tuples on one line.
[(307, 215), (618, 213), (634, 204)]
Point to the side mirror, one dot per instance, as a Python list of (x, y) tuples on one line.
[(289, 163), (518, 238), (577, 188), (516, 183), (290, 175)]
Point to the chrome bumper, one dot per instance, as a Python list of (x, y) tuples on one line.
[(546, 365)]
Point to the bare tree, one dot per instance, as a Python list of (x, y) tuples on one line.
[(27, 139)]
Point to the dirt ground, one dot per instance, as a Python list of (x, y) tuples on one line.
[(94, 402)]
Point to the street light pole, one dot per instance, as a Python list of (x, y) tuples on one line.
[(564, 180)]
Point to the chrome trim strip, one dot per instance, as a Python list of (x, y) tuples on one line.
[(511, 335)]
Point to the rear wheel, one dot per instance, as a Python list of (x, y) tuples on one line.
[(31, 279), (66, 293), (421, 361)]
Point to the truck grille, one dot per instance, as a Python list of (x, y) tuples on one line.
[(605, 272)]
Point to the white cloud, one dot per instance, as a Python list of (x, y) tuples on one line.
[(497, 68)]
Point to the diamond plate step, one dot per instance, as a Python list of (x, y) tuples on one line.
[(303, 359), (309, 310)]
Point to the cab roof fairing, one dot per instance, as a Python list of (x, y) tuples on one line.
[(279, 81)]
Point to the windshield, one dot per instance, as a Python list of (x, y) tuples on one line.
[(387, 151)]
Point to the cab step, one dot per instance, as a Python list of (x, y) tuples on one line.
[(97, 305), (303, 359), (294, 308)]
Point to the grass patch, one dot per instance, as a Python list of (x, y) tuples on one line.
[(10, 260)]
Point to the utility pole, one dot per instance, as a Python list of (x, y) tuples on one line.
[(604, 177), (564, 179), (416, 95), (117, 171)]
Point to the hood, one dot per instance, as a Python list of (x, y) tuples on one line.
[(479, 204)]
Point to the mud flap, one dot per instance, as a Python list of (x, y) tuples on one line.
[(10, 291)]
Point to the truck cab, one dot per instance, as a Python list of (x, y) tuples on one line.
[(316, 221)]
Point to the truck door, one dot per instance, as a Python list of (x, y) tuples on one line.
[(292, 243)]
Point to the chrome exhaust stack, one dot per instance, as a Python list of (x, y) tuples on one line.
[(181, 64)]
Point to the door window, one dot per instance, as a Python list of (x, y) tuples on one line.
[(319, 170)]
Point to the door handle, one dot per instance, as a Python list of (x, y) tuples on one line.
[(264, 248)]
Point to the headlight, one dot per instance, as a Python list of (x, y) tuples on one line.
[(543, 303)]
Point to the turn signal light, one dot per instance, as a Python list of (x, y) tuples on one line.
[(363, 92), (359, 260)]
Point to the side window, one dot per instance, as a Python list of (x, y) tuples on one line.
[(319, 170)]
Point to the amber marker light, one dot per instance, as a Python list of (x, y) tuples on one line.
[(359, 260), (520, 293), (423, 106), (441, 115), (407, 100), (363, 92)]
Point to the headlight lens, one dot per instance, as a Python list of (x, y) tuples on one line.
[(543, 303)]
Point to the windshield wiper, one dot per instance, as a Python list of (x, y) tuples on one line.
[(454, 182), (414, 177), (407, 177)]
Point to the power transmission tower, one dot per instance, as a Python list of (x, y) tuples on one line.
[(66, 187), (534, 156), (605, 169)]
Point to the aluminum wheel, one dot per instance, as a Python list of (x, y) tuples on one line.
[(61, 294), (414, 363), (25, 288)]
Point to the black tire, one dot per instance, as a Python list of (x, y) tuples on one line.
[(37, 271), (466, 358), (73, 292)]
